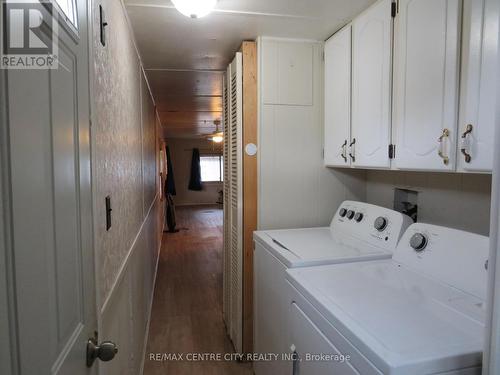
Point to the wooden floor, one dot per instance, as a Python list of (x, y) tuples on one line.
[(187, 307)]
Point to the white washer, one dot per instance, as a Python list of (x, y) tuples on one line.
[(358, 232), (421, 312)]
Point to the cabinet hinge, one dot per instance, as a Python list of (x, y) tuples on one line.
[(392, 151), (394, 9)]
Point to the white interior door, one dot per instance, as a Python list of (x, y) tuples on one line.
[(478, 86), (371, 86), (226, 272), (51, 271), (236, 210), (338, 98), (427, 50)]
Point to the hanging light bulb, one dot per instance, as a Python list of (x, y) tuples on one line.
[(217, 138), (194, 8)]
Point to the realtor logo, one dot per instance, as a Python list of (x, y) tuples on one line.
[(29, 35)]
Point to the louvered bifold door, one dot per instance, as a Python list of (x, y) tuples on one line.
[(236, 205), (226, 279)]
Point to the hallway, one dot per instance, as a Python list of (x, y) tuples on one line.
[(187, 308)]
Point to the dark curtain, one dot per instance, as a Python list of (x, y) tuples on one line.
[(195, 178), (170, 185)]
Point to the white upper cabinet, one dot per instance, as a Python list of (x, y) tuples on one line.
[(479, 67), (371, 86), (287, 73), (426, 60), (338, 98)]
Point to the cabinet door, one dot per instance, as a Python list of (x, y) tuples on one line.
[(371, 75), (426, 84), (338, 98), (479, 66)]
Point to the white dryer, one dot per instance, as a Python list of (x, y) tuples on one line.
[(358, 232), (420, 313)]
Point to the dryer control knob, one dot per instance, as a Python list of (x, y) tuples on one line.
[(350, 214), (342, 212), (418, 241), (380, 223), (358, 217)]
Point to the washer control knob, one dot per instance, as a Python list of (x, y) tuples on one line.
[(350, 214), (418, 241), (358, 217), (380, 223), (342, 212)]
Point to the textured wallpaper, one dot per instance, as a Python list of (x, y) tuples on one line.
[(148, 146), (123, 143)]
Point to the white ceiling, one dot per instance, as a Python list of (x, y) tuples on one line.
[(183, 56)]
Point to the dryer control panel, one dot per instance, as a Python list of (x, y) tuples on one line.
[(376, 225), (453, 256)]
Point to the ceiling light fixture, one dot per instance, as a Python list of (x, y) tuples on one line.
[(217, 138), (194, 8)]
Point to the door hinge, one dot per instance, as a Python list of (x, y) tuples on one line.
[(394, 9), (392, 151)]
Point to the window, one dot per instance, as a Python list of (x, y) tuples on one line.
[(68, 8), (211, 168)]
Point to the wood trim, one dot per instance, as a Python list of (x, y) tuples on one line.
[(249, 51)]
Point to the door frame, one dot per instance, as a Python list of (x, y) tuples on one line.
[(491, 356), (250, 187), (8, 352)]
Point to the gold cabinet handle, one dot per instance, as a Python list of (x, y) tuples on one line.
[(465, 149), (445, 134)]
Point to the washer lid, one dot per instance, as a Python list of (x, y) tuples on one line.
[(402, 321), (317, 246)]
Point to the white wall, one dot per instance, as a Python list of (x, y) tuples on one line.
[(454, 200), (181, 152), (295, 189), (124, 162)]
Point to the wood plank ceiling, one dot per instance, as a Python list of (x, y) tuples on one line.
[(188, 102), (185, 58)]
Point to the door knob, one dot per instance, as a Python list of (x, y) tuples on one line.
[(105, 351)]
